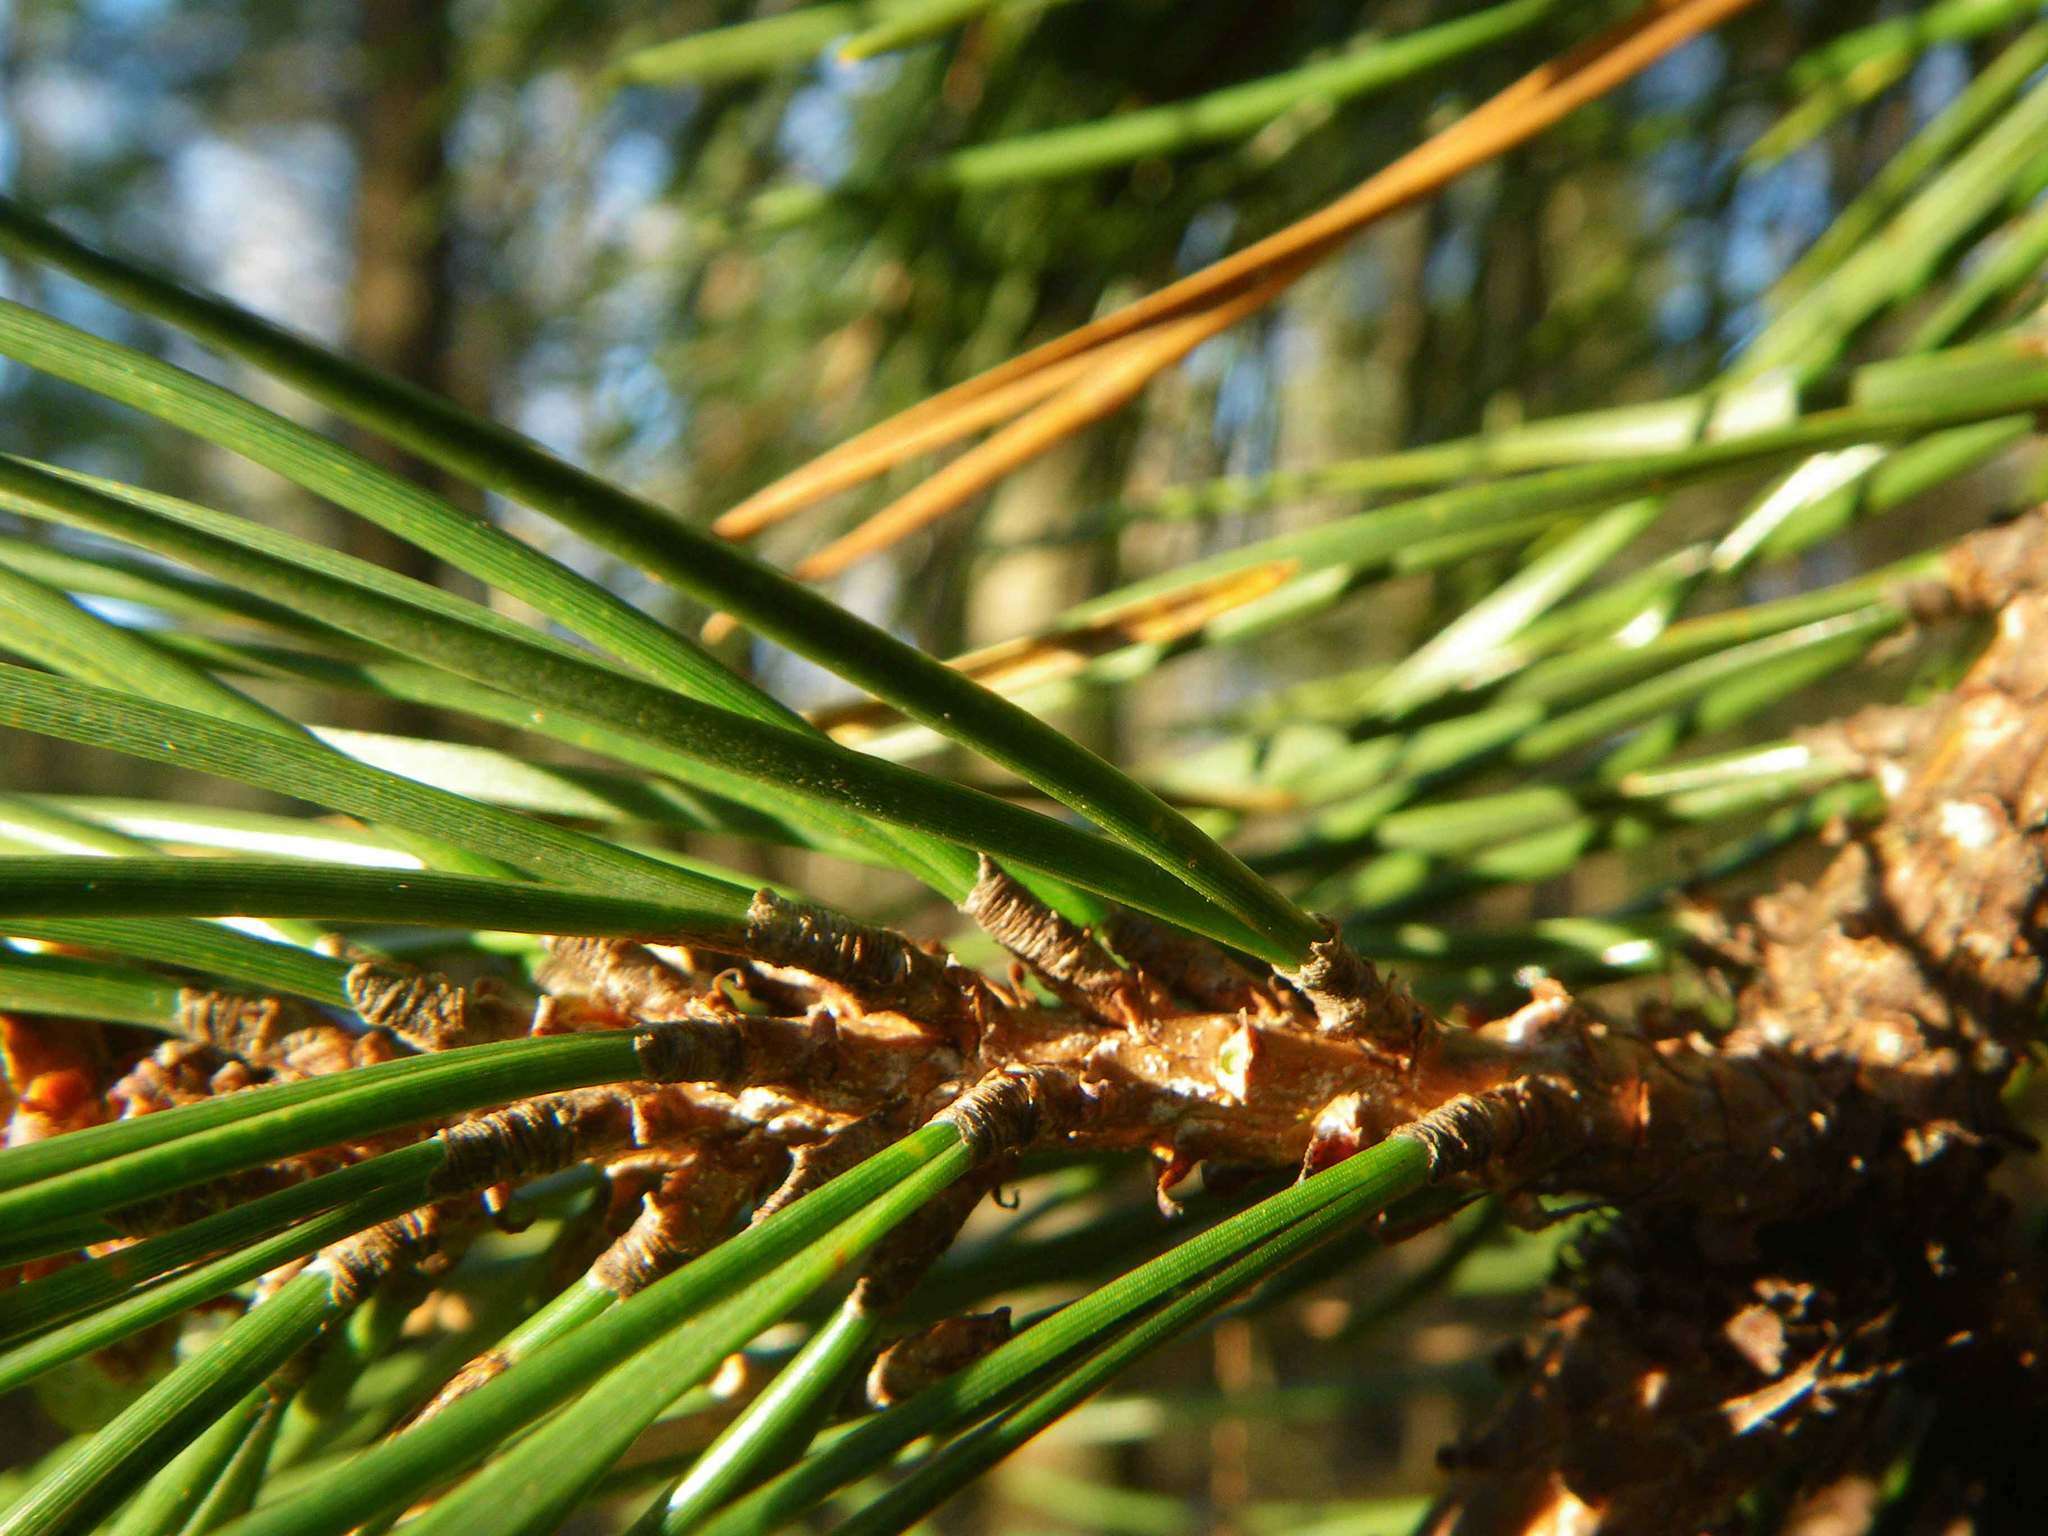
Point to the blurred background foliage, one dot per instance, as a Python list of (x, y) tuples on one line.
[(691, 259)]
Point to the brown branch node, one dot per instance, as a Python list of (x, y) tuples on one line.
[(1196, 970), (873, 969), (900, 1261), (690, 1051), (921, 1359), (1014, 1108), (1495, 1129), (359, 1264), (532, 1137), (1064, 955), (429, 1011), (1353, 1002)]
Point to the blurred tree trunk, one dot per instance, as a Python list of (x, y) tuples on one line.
[(402, 310), (402, 301)]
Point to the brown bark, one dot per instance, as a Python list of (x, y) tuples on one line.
[(1815, 1240)]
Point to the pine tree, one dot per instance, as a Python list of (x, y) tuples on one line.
[(1587, 809)]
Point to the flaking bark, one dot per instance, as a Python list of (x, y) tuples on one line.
[(1820, 1236)]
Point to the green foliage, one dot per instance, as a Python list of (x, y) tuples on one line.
[(1489, 676)]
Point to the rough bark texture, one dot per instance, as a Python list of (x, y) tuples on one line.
[(403, 307), (402, 318), (1816, 1242)]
